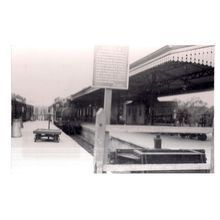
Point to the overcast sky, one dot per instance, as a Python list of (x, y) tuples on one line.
[(42, 74)]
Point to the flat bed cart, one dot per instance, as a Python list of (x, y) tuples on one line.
[(47, 134)]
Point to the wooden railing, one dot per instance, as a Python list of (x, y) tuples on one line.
[(103, 142), (159, 129), (189, 167)]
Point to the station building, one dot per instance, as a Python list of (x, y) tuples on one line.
[(171, 70)]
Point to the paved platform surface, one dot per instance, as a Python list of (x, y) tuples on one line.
[(67, 154), (172, 142)]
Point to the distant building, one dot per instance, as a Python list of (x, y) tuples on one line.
[(41, 113)]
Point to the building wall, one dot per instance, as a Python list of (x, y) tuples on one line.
[(164, 112), (41, 113), (158, 113), (114, 113), (135, 114)]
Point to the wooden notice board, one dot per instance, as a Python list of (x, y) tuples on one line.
[(111, 67)]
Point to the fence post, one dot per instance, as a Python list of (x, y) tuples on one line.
[(99, 141), (212, 153), (106, 147)]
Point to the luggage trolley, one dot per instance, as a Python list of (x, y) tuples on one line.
[(47, 134)]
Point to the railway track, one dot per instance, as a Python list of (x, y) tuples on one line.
[(83, 143)]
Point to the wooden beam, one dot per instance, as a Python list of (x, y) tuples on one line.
[(212, 154), (159, 129), (99, 141), (156, 167)]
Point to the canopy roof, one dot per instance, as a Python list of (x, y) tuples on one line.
[(170, 70)]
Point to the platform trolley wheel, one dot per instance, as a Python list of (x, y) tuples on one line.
[(202, 137)]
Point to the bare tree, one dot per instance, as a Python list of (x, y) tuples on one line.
[(195, 112)]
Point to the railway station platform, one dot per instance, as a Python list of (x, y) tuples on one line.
[(65, 155), (146, 140)]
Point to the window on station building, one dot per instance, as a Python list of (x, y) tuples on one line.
[(129, 111), (140, 111)]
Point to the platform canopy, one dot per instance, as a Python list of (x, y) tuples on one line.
[(171, 70)]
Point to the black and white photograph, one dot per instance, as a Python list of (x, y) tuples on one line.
[(151, 114), (109, 110)]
